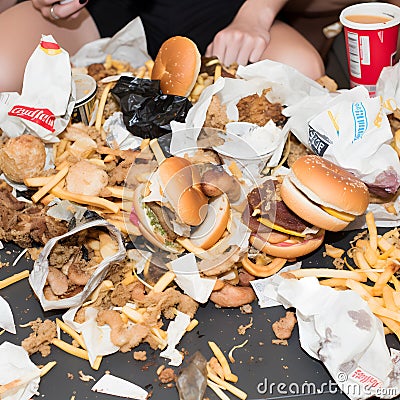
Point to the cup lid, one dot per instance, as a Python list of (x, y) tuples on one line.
[(86, 88), (374, 9)]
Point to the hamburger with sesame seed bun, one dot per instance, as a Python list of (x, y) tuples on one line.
[(177, 66), (323, 193)]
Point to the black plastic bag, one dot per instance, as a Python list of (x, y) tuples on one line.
[(147, 112)]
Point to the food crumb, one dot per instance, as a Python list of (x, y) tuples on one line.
[(140, 355), (70, 376), (41, 337), (281, 342), (85, 378), (246, 309), (167, 375), (243, 328)]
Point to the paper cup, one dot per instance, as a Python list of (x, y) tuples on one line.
[(86, 88), (370, 31)]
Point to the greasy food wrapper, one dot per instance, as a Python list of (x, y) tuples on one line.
[(6, 316), (115, 386), (287, 86), (388, 85), (128, 45), (97, 338), (147, 113), (328, 321), (38, 276), (19, 376), (47, 100), (353, 131)]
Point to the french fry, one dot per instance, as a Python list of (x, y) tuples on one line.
[(13, 279), (387, 294), (87, 200), (385, 276), (229, 376), (54, 180), (362, 263), (74, 334), (46, 368), (120, 192), (193, 323), (37, 181), (102, 104), (373, 234), (326, 273), (163, 282), (379, 310), (338, 283), (217, 390), (229, 387), (68, 348)]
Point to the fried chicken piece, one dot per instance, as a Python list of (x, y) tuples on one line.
[(124, 336), (165, 302), (216, 114), (57, 281), (258, 110), (41, 337), (284, 327)]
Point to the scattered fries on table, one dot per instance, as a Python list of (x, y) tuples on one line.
[(374, 276)]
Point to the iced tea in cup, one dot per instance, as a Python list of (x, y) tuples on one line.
[(370, 31)]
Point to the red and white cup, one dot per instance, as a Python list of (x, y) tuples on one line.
[(371, 31)]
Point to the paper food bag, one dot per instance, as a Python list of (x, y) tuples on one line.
[(38, 276), (45, 106)]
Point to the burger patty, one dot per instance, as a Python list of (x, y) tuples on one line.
[(162, 214), (265, 202)]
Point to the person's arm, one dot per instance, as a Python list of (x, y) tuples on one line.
[(53, 10), (247, 37)]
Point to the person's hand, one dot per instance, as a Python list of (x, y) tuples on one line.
[(247, 37), (239, 43), (59, 10)]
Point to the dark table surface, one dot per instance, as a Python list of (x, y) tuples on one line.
[(265, 371)]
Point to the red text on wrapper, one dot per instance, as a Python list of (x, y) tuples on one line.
[(40, 116), (365, 378)]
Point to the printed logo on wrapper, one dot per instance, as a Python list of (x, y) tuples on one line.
[(40, 116), (50, 48), (371, 45), (319, 143)]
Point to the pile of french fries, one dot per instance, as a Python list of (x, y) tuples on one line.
[(373, 276)]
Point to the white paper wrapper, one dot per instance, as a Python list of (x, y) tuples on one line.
[(288, 87), (110, 384), (328, 321), (352, 130), (388, 85), (15, 366), (6, 317), (129, 45), (260, 286), (118, 134), (97, 338), (189, 279), (176, 329), (46, 102), (38, 276)]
